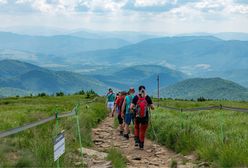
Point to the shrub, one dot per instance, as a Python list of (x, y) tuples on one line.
[(43, 94), (60, 94), (201, 99), (81, 92)]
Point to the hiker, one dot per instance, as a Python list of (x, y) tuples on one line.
[(117, 108), (126, 112), (110, 100), (140, 106)]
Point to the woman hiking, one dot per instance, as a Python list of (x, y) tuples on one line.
[(117, 107), (126, 113), (140, 106), (110, 100)]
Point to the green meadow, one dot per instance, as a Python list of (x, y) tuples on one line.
[(34, 147), (216, 136)]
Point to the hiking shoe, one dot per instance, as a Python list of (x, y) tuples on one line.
[(136, 139), (141, 145), (126, 136), (123, 138)]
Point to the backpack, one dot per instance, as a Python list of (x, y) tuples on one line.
[(141, 107), (119, 104), (127, 107)]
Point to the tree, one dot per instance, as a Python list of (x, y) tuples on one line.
[(60, 94)]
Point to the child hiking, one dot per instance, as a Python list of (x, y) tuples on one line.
[(117, 108), (126, 112), (110, 100), (140, 106)]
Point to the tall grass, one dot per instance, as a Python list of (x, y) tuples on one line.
[(217, 136), (117, 159), (34, 147)]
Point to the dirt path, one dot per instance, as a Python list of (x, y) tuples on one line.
[(106, 136)]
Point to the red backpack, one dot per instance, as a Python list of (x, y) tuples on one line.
[(141, 107)]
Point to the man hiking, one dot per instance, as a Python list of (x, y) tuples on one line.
[(127, 114), (140, 106), (117, 108), (110, 100)]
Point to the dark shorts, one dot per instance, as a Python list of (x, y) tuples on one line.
[(120, 119), (128, 118)]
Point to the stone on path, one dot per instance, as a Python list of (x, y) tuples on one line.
[(91, 152)]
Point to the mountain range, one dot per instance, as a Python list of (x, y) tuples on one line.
[(22, 76), (196, 56), (118, 59), (179, 52), (59, 45)]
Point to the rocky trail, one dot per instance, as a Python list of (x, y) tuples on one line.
[(105, 136)]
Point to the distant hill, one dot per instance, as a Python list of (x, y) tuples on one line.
[(14, 68), (222, 35), (210, 88), (237, 75), (132, 37), (31, 57), (27, 77), (142, 75), (232, 36), (59, 45)]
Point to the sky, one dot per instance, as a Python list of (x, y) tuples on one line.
[(157, 16)]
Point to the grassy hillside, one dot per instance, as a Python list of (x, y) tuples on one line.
[(217, 136), (34, 147), (239, 75), (210, 88), (13, 68), (28, 77)]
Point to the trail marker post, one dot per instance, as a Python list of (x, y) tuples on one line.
[(59, 147), (56, 132)]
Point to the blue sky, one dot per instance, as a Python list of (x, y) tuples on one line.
[(160, 16)]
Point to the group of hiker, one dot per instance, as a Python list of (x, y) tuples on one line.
[(129, 108)]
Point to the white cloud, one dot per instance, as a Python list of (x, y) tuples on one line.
[(203, 66), (172, 16), (144, 3), (241, 9), (191, 69), (103, 5), (52, 7), (3, 2)]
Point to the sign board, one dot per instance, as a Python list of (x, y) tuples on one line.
[(59, 146)]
